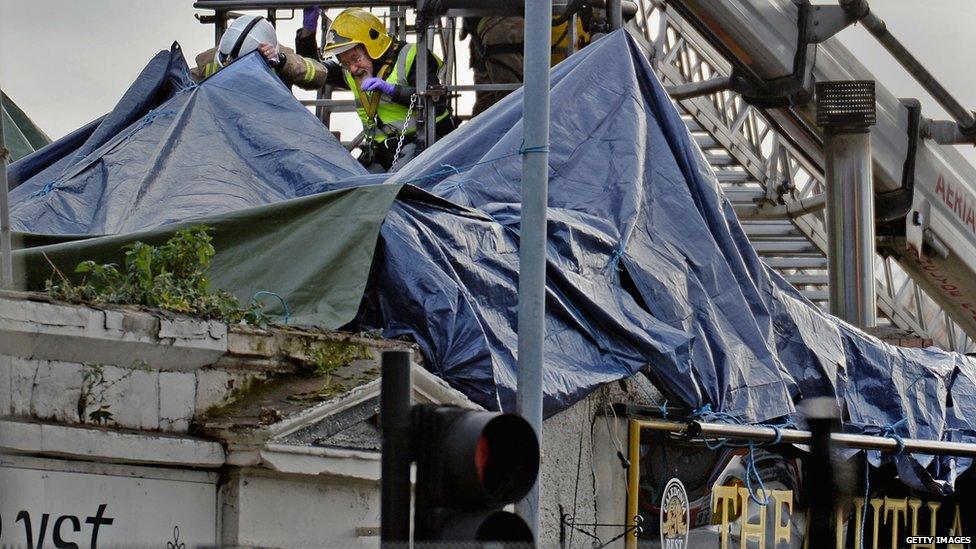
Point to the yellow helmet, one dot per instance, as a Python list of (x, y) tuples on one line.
[(357, 26)]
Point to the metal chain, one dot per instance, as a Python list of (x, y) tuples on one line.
[(403, 131)]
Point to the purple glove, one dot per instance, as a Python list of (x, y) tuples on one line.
[(310, 18), (374, 83)]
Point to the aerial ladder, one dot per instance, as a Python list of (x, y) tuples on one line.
[(744, 74)]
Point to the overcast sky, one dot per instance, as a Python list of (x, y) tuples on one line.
[(66, 62)]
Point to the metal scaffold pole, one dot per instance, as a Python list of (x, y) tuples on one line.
[(532, 252), (6, 265)]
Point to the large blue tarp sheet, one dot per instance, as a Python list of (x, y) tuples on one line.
[(648, 268), (172, 150)]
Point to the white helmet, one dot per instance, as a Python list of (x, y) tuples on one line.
[(243, 36)]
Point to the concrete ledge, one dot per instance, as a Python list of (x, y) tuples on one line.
[(108, 445), (36, 329), (311, 460)]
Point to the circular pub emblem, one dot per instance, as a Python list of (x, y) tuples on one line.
[(674, 516)]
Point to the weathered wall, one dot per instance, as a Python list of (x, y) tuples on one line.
[(581, 474), (152, 372), (273, 510)]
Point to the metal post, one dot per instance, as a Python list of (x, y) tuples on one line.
[(396, 455), (423, 48), (532, 251), (615, 14), (818, 471), (846, 110), (795, 436), (6, 265), (220, 25)]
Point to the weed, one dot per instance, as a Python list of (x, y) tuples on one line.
[(171, 277)]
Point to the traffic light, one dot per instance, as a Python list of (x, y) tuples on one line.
[(469, 466)]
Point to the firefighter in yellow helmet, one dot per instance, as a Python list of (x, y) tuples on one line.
[(381, 73)]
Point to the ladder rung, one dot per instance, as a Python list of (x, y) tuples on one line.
[(733, 176), (816, 295), (743, 195), (720, 159), (783, 247), (705, 141), (771, 229), (806, 279), (797, 262)]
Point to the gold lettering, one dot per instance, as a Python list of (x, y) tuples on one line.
[(858, 531), (876, 503), (956, 529), (894, 507), (752, 529), (806, 529), (933, 518), (839, 524), (781, 531), (913, 507), (723, 497)]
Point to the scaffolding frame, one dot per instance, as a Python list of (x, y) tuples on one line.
[(428, 30)]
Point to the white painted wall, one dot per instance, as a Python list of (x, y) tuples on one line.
[(64, 501), (273, 510)]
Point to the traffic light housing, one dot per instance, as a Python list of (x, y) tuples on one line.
[(470, 465)]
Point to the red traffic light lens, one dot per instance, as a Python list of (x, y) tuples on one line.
[(504, 456), (481, 455)]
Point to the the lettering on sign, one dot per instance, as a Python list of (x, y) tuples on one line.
[(941, 280), (65, 526), (958, 202), (902, 517)]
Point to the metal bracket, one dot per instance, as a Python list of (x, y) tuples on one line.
[(434, 92), (793, 89), (826, 21), (948, 132), (893, 206)]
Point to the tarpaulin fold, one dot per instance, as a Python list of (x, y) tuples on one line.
[(21, 136)]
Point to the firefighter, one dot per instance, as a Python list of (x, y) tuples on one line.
[(381, 73), (497, 47), (251, 32)]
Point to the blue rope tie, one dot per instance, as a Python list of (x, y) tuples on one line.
[(614, 261), (148, 119), (44, 190), (664, 410), (151, 117), (705, 413), (753, 471), (284, 305), (452, 168), (888, 431), (532, 150)]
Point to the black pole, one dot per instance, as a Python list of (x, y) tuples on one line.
[(822, 417), (396, 458)]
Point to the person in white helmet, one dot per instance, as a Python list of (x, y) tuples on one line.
[(253, 32)]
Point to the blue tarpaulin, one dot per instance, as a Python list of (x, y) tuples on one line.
[(648, 268)]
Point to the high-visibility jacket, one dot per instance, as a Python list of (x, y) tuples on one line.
[(382, 117), (296, 70)]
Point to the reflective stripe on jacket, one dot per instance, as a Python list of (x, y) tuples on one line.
[(295, 70)]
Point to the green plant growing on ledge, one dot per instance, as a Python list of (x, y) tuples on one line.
[(171, 277)]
